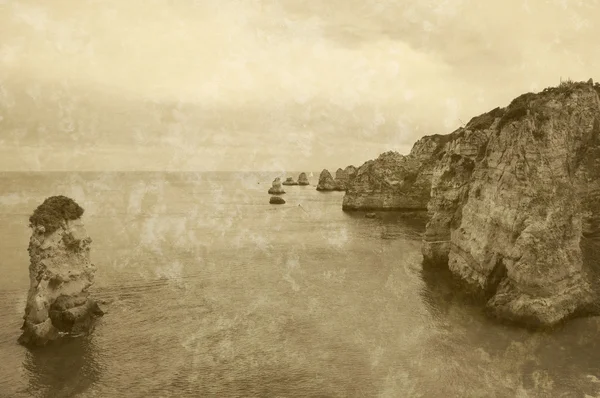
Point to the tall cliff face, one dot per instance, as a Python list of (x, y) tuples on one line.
[(395, 182), (60, 272), (514, 205)]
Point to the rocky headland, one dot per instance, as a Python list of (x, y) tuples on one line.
[(60, 273), (276, 188), (513, 199)]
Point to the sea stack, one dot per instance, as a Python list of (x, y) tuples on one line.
[(394, 181), (60, 273), (303, 179), (289, 181), (276, 189), (327, 183)]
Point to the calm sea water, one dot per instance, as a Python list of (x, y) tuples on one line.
[(212, 292)]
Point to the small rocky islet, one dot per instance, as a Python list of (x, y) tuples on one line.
[(58, 302)]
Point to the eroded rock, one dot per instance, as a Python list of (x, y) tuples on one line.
[(60, 272)]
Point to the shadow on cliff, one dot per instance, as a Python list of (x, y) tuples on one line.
[(63, 369), (442, 291)]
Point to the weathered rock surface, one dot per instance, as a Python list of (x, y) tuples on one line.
[(276, 189), (303, 179), (289, 181), (327, 183), (515, 206), (276, 200), (513, 200), (60, 272), (394, 181), (341, 181)]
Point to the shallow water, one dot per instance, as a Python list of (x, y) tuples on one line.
[(213, 292)]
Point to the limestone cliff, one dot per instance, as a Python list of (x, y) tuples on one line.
[(514, 206), (60, 273), (513, 199), (394, 181)]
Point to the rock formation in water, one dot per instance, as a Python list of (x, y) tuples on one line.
[(327, 183), (341, 181), (515, 207), (60, 273), (513, 200), (276, 189), (276, 200), (303, 179), (289, 181)]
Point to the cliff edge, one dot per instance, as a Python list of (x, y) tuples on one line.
[(513, 200)]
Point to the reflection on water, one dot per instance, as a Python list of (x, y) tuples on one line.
[(66, 369)]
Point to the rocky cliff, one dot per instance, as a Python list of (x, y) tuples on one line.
[(394, 181), (343, 177), (327, 183), (514, 203), (60, 273), (514, 208)]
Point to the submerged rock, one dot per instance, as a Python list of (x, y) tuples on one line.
[(303, 179), (60, 272), (289, 181), (370, 215), (276, 200), (276, 189)]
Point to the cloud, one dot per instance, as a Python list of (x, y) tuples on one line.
[(336, 81)]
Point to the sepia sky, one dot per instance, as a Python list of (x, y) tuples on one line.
[(268, 85)]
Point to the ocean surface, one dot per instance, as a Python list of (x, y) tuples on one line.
[(212, 292)]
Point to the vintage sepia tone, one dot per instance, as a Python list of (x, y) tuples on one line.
[(285, 198)]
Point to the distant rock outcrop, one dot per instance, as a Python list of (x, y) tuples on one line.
[(341, 181), (60, 272), (276, 200), (303, 179), (289, 181), (276, 189), (327, 183)]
